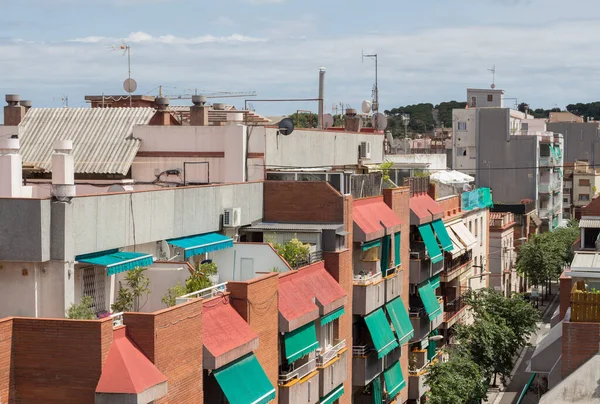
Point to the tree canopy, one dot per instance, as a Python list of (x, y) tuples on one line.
[(421, 117), (445, 111), (588, 110)]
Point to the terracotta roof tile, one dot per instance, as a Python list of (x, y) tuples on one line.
[(369, 213)]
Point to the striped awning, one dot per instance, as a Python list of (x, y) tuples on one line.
[(116, 261), (589, 223)]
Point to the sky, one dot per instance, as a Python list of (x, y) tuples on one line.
[(544, 51)]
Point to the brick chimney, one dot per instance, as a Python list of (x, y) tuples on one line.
[(352, 122), (13, 112), (162, 117), (199, 111)]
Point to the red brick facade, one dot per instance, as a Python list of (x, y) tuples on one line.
[(299, 201), (257, 302), (7, 393), (451, 207), (566, 284), (172, 340), (580, 342)]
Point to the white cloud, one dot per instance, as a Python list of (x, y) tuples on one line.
[(141, 37)]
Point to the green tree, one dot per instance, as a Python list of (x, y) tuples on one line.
[(82, 310), (445, 111), (489, 342), (537, 258), (305, 120), (514, 311), (385, 168), (294, 252), (129, 296), (566, 236), (199, 279), (170, 298), (123, 301), (457, 381)]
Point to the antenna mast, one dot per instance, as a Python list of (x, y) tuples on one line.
[(375, 106), (493, 70)]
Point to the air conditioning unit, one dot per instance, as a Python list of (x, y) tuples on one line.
[(232, 217), (364, 150)]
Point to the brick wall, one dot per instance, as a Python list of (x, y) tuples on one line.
[(258, 303), (451, 207), (566, 284), (300, 201), (399, 201), (58, 361), (7, 393), (580, 342), (172, 340)]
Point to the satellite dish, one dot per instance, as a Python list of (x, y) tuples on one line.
[(327, 121), (116, 188), (130, 85), (379, 121), (366, 106), (286, 126), (165, 250), (493, 86)]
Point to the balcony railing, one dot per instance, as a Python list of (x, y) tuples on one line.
[(207, 293), (419, 367), (366, 279), (324, 357), (313, 257), (459, 269), (452, 308), (361, 350), (299, 372)]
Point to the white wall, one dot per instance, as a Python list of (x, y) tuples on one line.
[(434, 162), (464, 152), (480, 250), (481, 96), (313, 148), (255, 257)]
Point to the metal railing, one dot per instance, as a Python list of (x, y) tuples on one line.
[(361, 350), (452, 308), (324, 357), (117, 319), (366, 279), (312, 257), (298, 372), (212, 291)]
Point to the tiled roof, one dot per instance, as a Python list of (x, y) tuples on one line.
[(102, 142), (592, 208), (300, 291), (370, 213), (497, 215), (424, 207), (223, 329), (127, 370)]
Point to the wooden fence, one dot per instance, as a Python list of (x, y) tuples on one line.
[(585, 307)]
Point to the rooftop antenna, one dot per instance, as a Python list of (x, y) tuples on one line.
[(375, 105), (493, 70), (129, 85)]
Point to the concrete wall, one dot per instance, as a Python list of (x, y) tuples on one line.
[(25, 234), (245, 260), (501, 260), (497, 155), (113, 221), (580, 141), (479, 218), (313, 148), (481, 96), (434, 162), (594, 182), (464, 142)]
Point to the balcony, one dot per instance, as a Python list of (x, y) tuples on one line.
[(422, 324), (393, 285), (300, 384), (298, 372), (456, 271), (421, 268), (548, 185), (368, 293), (416, 375), (333, 368), (365, 365), (546, 161), (585, 306), (454, 311)]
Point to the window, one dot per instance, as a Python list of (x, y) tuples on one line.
[(584, 197), (475, 266), (470, 227), (566, 200), (462, 126), (490, 97), (476, 228), (461, 151), (525, 126), (92, 282), (584, 183), (326, 336), (481, 230), (474, 101)]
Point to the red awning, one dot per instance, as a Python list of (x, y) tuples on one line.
[(127, 370), (308, 293), (223, 329), (424, 209), (370, 213)]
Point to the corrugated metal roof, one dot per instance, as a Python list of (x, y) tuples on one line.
[(102, 142), (301, 227), (585, 261), (589, 223)]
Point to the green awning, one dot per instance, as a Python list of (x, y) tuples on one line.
[(385, 255), (334, 315), (376, 391), (432, 347), (434, 281), (400, 319), (381, 333), (397, 259), (245, 382), (430, 301), (300, 342), (435, 254), (394, 380), (116, 261), (201, 243), (442, 235), (333, 395), (371, 244)]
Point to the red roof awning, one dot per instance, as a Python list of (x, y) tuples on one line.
[(369, 214), (225, 334), (423, 209), (127, 370), (307, 294)]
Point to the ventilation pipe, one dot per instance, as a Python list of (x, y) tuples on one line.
[(63, 170), (11, 171), (199, 111), (321, 96), (13, 112)]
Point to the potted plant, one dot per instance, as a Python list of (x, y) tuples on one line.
[(209, 269)]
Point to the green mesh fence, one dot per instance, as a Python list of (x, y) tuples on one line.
[(480, 198)]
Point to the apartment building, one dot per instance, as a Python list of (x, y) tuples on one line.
[(503, 255), (512, 154), (585, 180), (580, 140)]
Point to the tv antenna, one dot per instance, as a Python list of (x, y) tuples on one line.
[(493, 71), (129, 85), (375, 105)]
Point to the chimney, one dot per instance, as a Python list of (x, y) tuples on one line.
[(63, 170), (13, 112), (321, 96), (163, 115), (352, 122), (26, 104), (199, 111), (11, 171)]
